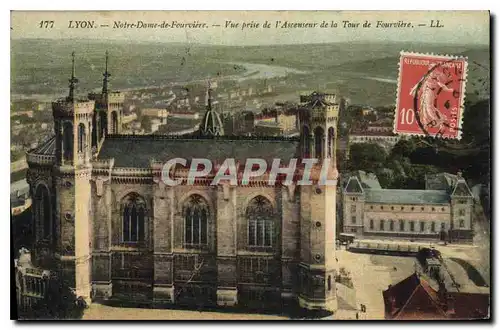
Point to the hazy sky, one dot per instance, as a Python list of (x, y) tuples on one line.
[(460, 27)]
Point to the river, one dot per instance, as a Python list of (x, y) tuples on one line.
[(262, 71), (252, 71)]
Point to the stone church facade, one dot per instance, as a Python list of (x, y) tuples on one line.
[(111, 229)]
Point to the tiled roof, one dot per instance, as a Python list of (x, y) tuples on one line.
[(462, 189), (412, 298), (353, 186), (369, 180), (136, 151), (440, 181), (46, 148), (406, 196)]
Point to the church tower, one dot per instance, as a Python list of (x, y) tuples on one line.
[(108, 109), (72, 173), (317, 269)]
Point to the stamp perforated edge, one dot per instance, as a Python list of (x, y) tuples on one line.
[(464, 84)]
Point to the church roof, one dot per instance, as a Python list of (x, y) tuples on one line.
[(406, 196), (138, 150), (47, 147)]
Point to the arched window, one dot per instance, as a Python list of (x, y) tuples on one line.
[(319, 141), (306, 140), (391, 225), (134, 214), (196, 213), (433, 227), (68, 140), (331, 144), (114, 122), (401, 225), (382, 225), (81, 137), (95, 131), (43, 212), (103, 124), (371, 223), (260, 222)]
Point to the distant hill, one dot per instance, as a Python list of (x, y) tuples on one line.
[(374, 81), (42, 66)]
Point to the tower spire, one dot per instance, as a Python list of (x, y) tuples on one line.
[(209, 96), (73, 81), (211, 123), (106, 75)]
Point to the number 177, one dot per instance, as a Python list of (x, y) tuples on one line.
[(46, 24)]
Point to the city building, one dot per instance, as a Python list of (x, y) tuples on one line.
[(129, 118), (277, 125), (377, 135), (159, 113), (184, 114), (107, 224), (268, 129), (421, 297), (442, 211)]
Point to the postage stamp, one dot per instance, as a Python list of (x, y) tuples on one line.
[(431, 92), (242, 165)]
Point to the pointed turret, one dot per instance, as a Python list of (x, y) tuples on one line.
[(461, 188), (106, 75), (211, 124), (73, 81)]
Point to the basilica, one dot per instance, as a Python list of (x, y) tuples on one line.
[(110, 228)]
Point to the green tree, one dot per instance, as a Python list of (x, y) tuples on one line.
[(404, 148), (146, 123), (368, 157)]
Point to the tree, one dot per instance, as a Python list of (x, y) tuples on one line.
[(146, 123), (368, 157), (403, 148)]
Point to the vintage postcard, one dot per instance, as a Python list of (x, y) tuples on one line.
[(251, 165)]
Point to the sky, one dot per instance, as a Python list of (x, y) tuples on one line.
[(458, 27)]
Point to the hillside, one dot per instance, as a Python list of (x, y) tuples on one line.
[(39, 69)]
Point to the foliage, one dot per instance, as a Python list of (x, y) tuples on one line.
[(367, 156), (410, 160), (403, 148), (146, 123), (60, 303)]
